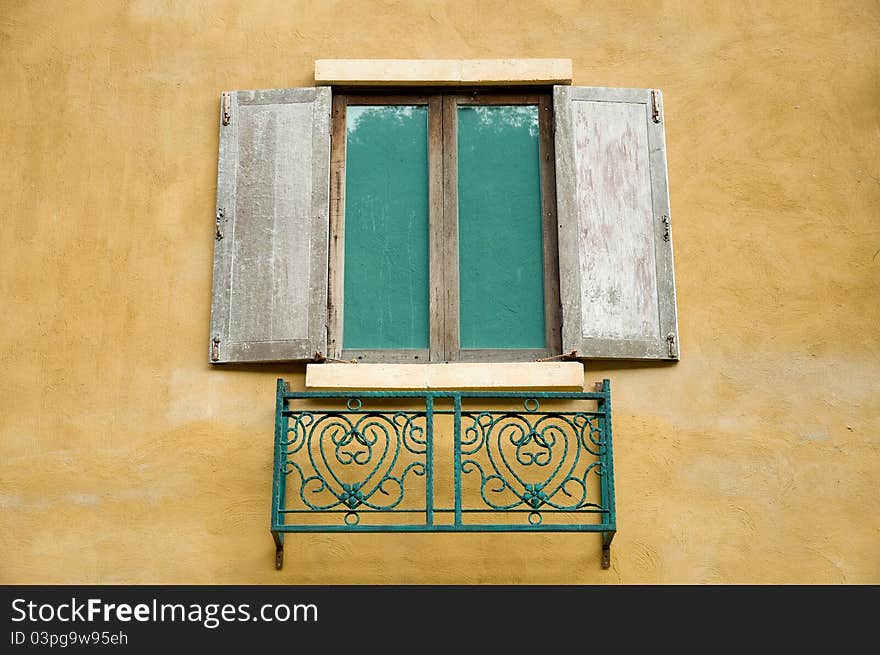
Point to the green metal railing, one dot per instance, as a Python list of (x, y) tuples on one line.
[(377, 461)]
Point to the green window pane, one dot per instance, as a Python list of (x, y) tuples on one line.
[(501, 259), (386, 228)]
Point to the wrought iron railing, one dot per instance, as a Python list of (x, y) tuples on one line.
[(443, 461)]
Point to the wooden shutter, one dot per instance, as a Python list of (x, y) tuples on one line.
[(615, 242), (270, 253)]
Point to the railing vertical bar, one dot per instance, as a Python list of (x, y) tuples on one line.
[(282, 477), (608, 479), (429, 459), (603, 461), (280, 403), (456, 458)]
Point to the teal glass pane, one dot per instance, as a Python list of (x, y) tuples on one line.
[(386, 228), (501, 259)]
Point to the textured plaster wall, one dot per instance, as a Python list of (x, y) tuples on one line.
[(125, 458)]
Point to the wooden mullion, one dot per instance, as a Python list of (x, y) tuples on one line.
[(552, 307), (450, 230), (336, 255), (435, 223)]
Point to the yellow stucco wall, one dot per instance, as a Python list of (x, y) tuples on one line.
[(125, 458)]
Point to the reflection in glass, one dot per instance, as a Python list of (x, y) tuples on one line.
[(386, 228), (501, 262)]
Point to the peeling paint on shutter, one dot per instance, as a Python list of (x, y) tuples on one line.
[(270, 250), (615, 245)]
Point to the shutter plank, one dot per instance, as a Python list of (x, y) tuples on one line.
[(616, 278), (272, 210), (270, 284), (613, 180)]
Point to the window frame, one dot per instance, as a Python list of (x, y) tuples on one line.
[(444, 301)]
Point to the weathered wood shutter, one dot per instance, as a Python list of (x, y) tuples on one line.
[(270, 254), (615, 243)]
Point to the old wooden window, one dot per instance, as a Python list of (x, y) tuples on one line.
[(438, 226), (443, 240)]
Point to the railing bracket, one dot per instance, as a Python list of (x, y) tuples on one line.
[(606, 549), (279, 549)]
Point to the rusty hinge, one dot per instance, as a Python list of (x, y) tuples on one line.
[(670, 343), (215, 348), (655, 105), (320, 358), (665, 220), (218, 233), (568, 355), (226, 110)]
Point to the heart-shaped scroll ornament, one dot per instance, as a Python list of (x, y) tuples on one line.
[(527, 460), (353, 458)]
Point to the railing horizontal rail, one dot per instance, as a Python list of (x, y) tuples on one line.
[(561, 395), (445, 528)]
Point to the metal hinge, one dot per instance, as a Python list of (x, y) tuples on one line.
[(655, 105), (670, 343), (218, 233), (226, 110), (215, 348), (665, 220)]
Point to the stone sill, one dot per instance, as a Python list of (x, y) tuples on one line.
[(442, 72), (531, 376)]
